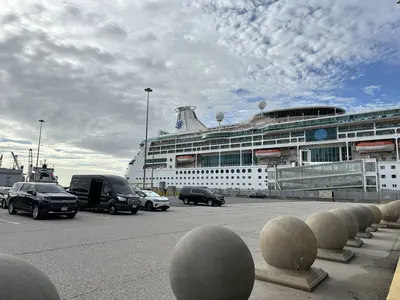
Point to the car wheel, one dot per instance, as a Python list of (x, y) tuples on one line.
[(149, 205), (210, 203), (134, 211), (186, 201), (11, 208), (36, 212), (71, 216), (112, 210)]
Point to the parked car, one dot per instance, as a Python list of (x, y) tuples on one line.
[(104, 192), (257, 195), (197, 195), (152, 201), (3, 196), (41, 199), (11, 193)]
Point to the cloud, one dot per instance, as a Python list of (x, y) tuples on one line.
[(82, 65), (371, 90)]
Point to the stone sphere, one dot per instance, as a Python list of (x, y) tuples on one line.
[(362, 218), (349, 219), (368, 213), (390, 212), (288, 243), (21, 280), (376, 212), (330, 231), (211, 262)]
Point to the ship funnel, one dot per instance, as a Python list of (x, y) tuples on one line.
[(187, 120)]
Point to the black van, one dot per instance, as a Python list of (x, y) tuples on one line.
[(200, 194), (109, 192)]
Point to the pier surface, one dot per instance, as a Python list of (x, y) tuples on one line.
[(99, 256)]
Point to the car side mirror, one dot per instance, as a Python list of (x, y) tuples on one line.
[(31, 193), (110, 193)]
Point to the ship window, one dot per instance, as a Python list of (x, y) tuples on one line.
[(184, 172), (216, 177), (244, 177), (259, 177), (237, 171), (212, 177), (395, 185), (244, 183), (233, 177), (249, 170), (222, 171), (393, 167), (212, 171), (180, 172), (207, 171), (176, 172), (249, 177), (232, 171), (238, 177), (243, 170), (202, 171), (383, 176), (394, 176), (170, 159), (197, 171), (188, 172), (382, 167), (259, 170)]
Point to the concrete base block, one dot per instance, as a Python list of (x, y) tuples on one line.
[(372, 228), (301, 280), (386, 224), (343, 255), (354, 242), (364, 234)]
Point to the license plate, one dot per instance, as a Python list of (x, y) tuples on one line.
[(134, 206), (64, 208)]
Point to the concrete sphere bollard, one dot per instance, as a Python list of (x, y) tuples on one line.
[(349, 219), (21, 280), (390, 212), (288, 243), (376, 212), (368, 213), (362, 218), (211, 262), (330, 231)]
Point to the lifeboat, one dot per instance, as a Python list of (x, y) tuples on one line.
[(265, 153), (375, 146), (185, 159)]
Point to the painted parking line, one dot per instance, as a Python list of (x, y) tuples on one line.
[(15, 223), (89, 215)]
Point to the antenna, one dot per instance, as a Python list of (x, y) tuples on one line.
[(261, 105), (219, 117)]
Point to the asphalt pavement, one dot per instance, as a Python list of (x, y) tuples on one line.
[(97, 256)]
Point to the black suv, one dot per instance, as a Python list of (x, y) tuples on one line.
[(200, 195), (42, 199)]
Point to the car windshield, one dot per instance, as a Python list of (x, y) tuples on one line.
[(122, 188), (208, 191), (151, 194), (49, 188)]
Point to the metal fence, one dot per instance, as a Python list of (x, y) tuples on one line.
[(339, 195)]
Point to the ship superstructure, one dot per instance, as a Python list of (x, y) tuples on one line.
[(240, 155)]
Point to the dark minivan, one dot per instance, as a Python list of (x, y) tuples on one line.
[(106, 192), (41, 199), (199, 194)]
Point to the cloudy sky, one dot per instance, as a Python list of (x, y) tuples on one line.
[(82, 67)]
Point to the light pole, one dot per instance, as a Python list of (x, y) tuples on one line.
[(148, 91), (38, 148)]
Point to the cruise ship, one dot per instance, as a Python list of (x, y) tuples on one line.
[(240, 155)]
